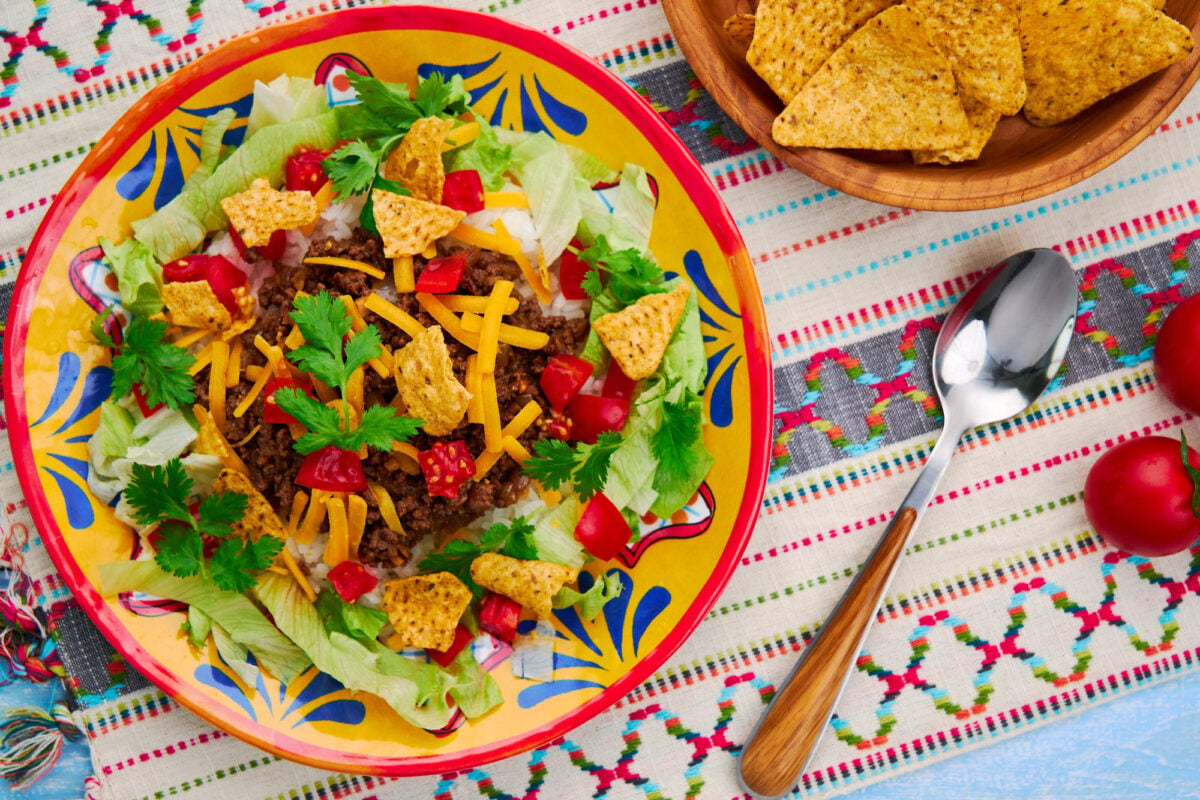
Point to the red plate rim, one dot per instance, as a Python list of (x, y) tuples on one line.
[(233, 55)]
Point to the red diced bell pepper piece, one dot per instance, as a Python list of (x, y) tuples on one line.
[(332, 469), (617, 384), (463, 190), (271, 410), (571, 272), (351, 580), (444, 658), (271, 251), (499, 615), (218, 270), (303, 171), (602, 529), (446, 466), (592, 415), (563, 377), (442, 275)]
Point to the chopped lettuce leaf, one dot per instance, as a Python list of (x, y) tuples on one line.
[(241, 619), (211, 135), (235, 654), (554, 533), (181, 225), (684, 359), (283, 100), (593, 349), (474, 690), (139, 277), (352, 619), (415, 690), (197, 627), (114, 432), (628, 224), (589, 603), (487, 155)]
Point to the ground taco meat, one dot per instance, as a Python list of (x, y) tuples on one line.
[(274, 464)]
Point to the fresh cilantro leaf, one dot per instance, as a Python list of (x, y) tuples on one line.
[(311, 413), (323, 320), (159, 367), (352, 167), (514, 540), (672, 444), (236, 560), (455, 558), (361, 348), (585, 465), (99, 334), (386, 109), (178, 549), (217, 513), (381, 427), (160, 492), (630, 275)]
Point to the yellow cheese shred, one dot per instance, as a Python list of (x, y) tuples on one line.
[(387, 507), (216, 383), (475, 405), (354, 393), (505, 200), (515, 427), (313, 517), (515, 449), (245, 439), (489, 331), (524, 338), (224, 450), (356, 521), (347, 263), (274, 354), (527, 269), (289, 561), (463, 134), (233, 370), (492, 436), (191, 337), (402, 274), (337, 547), (458, 303), (203, 359), (394, 314), (324, 197), (446, 318), (299, 501)]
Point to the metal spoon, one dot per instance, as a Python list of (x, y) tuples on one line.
[(997, 352)]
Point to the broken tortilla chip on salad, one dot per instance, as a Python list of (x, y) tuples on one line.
[(373, 425)]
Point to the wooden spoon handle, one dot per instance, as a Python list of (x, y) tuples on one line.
[(780, 747)]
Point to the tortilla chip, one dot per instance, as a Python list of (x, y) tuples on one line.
[(425, 609), (416, 162), (740, 29), (533, 584), (886, 88), (638, 335), (982, 119), (194, 304), (260, 211), (792, 40), (408, 225), (425, 378), (260, 517), (979, 37), (1078, 52)]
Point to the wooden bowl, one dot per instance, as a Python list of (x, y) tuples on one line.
[(1020, 162)]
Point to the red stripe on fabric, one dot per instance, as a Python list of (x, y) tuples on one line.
[(579, 22), (163, 752)]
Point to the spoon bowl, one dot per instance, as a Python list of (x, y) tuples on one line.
[(997, 351)]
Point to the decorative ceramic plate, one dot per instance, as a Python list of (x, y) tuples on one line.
[(55, 379)]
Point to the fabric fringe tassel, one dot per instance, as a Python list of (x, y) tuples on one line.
[(31, 741)]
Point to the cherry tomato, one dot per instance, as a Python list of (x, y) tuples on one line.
[(592, 415), (463, 190), (351, 580), (499, 615), (571, 272), (602, 529), (446, 466), (444, 658), (1138, 497), (218, 270), (1177, 355), (442, 275), (271, 410), (303, 171), (617, 384), (332, 469), (562, 379)]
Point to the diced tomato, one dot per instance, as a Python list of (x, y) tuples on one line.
[(351, 580), (143, 404), (271, 251), (617, 384), (592, 415), (444, 658), (218, 270), (303, 171), (499, 615), (602, 529), (446, 466), (571, 272), (563, 377), (463, 190), (442, 275), (271, 410), (332, 469)]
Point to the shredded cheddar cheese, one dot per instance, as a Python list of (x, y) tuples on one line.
[(274, 354), (505, 200), (294, 338), (394, 314), (354, 393), (356, 521), (531, 273), (446, 318), (402, 273), (489, 331), (216, 383), (463, 134), (253, 432), (191, 337), (458, 303), (475, 407), (324, 197), (337, 547), (347, 263), (289, 561), (524, 338), (515, 449), (387, 507), (492, 436), (515, 427), (299, 501), (203, 359), (313, 517)]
